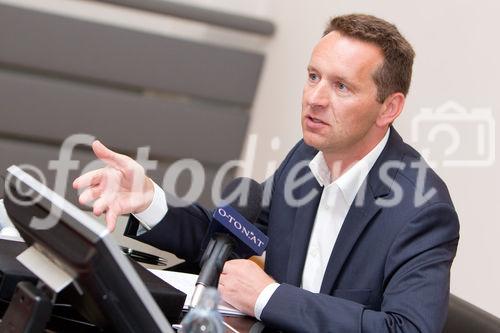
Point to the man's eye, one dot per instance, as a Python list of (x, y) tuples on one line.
[(341, 86), (313, 76)]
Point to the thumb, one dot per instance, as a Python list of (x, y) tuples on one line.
[(108, 156)]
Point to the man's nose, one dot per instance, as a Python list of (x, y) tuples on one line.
[(319, 95)]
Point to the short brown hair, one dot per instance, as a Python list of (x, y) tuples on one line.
[(395, 73)]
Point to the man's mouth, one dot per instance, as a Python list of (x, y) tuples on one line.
[(315, 120)]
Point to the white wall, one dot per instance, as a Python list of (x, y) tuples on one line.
[(457, 59)]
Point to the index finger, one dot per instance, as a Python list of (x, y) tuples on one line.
[(88, 179), (117, 161), (228, 266)]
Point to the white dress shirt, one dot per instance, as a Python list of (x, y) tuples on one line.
[(336, 199), (156, 211)]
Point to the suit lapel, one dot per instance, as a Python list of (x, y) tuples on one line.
[(302, 227), (363, 210), (355, 222)]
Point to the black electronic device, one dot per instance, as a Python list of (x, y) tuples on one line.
[(111, 294)]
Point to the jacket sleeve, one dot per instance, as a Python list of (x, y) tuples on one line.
[(416, 286), (184, 231)]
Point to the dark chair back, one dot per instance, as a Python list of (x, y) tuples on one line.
[(467, 318)]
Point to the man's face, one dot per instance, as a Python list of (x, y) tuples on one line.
[(339, 102)]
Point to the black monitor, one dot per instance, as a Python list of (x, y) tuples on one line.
[(111, 294)]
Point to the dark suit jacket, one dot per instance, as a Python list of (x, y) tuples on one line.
[(390, 267)]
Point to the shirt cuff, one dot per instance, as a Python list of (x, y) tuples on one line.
[(156, 211), (263, 299)]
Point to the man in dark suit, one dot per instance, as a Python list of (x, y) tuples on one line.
[(362, 233)]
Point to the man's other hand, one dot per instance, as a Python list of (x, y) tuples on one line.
[(121, 187), (241, 283)]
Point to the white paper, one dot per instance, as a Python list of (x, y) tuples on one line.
[(49, 272), (186, 282), (4, 218), (7, 229)]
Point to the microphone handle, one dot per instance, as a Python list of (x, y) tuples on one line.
[(218, 251)]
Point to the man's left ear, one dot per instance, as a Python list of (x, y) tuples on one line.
[(391, 109)]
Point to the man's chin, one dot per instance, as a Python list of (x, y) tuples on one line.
[(313, 141)]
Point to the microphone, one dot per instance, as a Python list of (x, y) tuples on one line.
[(233, 232)]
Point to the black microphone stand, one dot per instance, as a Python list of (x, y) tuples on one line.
[(218, 251)]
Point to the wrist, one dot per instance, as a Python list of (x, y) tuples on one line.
[(148, 195), (263, 298)]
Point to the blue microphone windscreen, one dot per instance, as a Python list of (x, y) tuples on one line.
[(244, 195), (241, 197)]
